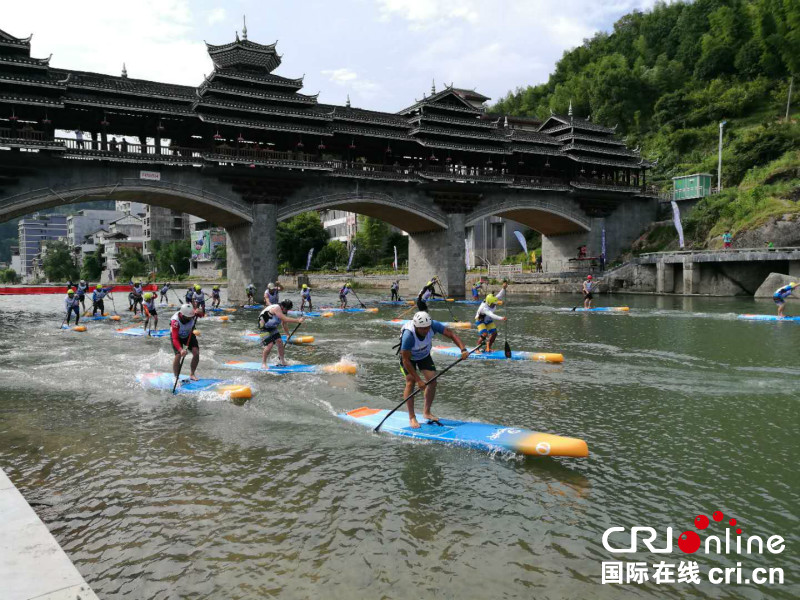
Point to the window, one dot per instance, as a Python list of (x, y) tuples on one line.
[(497, 230)]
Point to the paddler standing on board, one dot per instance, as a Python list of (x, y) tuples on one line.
[(343, 295), (272, 294), (184, 340), (137, 289), (396, 291), (305, 298), (268, 322), (485, 318), (82, 289), (72, 304), (427, 292), (97, 299), (250, 290), (476, 290), (164, 290), (587, 288), (416, 341), (199, 300), (780, 296), (149, 307)]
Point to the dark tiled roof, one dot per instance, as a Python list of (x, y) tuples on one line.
[(560, 122), (244, 53), (522, 135), (265, 124)]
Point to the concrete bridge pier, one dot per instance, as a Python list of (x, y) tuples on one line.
[(665, 278), (253, 254), (440, 253), (691, 278)]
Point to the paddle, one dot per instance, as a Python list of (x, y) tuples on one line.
[(506, 347), (415, 392), (183, 358), (113, 303), (359, 299), (444, 297), (291, 334)]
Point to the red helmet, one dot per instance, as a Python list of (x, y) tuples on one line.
[(588, 277)]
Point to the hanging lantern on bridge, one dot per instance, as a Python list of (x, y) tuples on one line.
[(217, 136), (489, 162), (388, 149), (300, 145), (105, 122), (321, 146), (433, 157), (352, 145), (240, 138), (13, 116), (46, 121), (160, 127)]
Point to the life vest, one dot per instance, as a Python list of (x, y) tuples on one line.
[(783, 292), (151, 305), (199, 297), (422, 347), (480, 317), (164, 290), (271, 321), (306, 294), (189, 296), (99, 295), (273, 298), (184, 329)]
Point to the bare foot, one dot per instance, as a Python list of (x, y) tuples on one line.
[(264, 366), (430, 417), (193, 377), (414, 422)]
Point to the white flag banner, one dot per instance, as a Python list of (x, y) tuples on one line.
[(467, 257), (310, 255), (396, 265), (522, 241), (676, 217), (352, 254)]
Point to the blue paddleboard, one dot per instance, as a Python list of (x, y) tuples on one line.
[(165, 381), (253, 306), (550, 357), (221, 309), (297, 313), (395, 302), (482, 436), (99, 318), (139, 332), (475, 302), (767, 318), (300, 368), (600, 309), (456, 325), (300, 340), (350, 310)]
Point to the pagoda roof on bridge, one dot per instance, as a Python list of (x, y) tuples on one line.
[(450, 98), (6, 39), (244, 54), (556, 123)]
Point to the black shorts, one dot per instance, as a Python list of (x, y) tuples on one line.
[(190, 343), (271, 338), (588, 296), (426, 364), (153, 313)]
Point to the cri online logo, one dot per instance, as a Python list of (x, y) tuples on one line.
[(690, 541)]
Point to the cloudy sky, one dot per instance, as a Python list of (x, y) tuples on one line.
[(384, 53)]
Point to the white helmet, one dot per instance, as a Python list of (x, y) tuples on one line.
[(187, 310), (270, 286), (422, 319)]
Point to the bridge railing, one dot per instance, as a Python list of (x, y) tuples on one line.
[(24, 133), (112, 149), (539, 181), (504, 270)]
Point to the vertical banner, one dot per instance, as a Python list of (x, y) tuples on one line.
[(310, 255), (676, 217), (522, 241), (467, 258), (201, 245), (396, 265), (603, 242), (352, 253)]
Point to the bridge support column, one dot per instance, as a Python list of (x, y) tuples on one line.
[(691, 278), (253, 253), (665, 278), (438, 253)]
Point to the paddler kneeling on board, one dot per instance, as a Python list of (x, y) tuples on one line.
[(780, 296), (484, 319), (268, 322), (416, 341), (150, 312), (181, 327)]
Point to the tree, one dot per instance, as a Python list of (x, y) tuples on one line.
[(9, 276), (58, 263), (332, 256), (172, 254), (297, 236), (93, 265), (131, 264), (370, 241)]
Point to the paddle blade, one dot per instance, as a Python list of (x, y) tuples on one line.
[(507, 350)]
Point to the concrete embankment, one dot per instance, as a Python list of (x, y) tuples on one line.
[(32, 564)]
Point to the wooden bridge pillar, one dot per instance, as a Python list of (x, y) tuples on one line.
[(438, 253), (253, 254)]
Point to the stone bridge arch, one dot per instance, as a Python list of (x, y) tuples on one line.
[(548, 216)]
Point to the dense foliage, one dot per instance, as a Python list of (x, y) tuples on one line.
[(667, 77), (297, 236), (131, 264), (93, 265), (171, 258), (58, 263)]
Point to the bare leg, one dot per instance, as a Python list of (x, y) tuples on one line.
[(492, 338), (176, 363), (279, 342), (265, 354), (780, 310), (195, 362), (430, 394), (409, 389)]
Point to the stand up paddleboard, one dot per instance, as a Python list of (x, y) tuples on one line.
[(222, 319), (350, 310), (347, 368), (88, 317), (296, 339), (297, 313), (74, 327), (550, 357), (449, 325), (218, 310), (253, 306), (600, 309), (396, 302), (165, 381), (139, 332), (482, 436), (768, 318)]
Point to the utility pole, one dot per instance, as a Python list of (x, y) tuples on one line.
[(789, 99), (719, 163)]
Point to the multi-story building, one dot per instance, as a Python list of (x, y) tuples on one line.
[(164, 225), (137, 209), (340, 225), (32, 232), (491, 240), (16, 260), (85, 222)]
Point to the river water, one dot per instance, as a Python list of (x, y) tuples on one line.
[(685, 409)]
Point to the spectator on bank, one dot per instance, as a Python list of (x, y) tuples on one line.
[(124, 145), (113, 144), (79, 138), (769, 244), (539, 263), (727, 239)]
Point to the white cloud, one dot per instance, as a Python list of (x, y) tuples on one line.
[(429, 13), (340, 76), (361, 89), (215, 15)]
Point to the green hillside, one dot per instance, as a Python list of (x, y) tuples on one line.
[(669, 76)]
